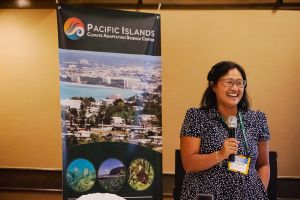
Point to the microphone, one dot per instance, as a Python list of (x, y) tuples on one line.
[(232, 124)]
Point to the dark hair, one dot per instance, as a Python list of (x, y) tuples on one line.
[(217, 71)]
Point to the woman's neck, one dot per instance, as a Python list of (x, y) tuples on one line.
[(226, 112)]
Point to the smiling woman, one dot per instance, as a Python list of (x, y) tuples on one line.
[(229, 90), (234, 81), (207, 145)]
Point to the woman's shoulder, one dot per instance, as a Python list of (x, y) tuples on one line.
[(202, 114), (252, 113), (196, 111)]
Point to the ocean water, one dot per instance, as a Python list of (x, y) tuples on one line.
[(68, 90)]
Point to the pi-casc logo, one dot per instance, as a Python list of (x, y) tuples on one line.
[(74, 28)]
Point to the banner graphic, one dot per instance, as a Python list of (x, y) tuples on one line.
[(110, 91)]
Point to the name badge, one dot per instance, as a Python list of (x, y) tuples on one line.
[(241, 164)]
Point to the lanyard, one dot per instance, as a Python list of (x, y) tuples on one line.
[(244, 133)]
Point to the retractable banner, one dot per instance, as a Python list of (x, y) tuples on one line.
[(110, 91)]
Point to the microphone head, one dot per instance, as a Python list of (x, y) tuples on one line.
[(232, 122)]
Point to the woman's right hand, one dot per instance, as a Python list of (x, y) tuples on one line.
[(230, 146)]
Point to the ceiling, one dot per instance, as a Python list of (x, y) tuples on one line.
[(164, 4)]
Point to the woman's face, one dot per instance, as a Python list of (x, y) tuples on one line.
[(229, 89)]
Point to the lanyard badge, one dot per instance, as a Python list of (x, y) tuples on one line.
[(240, 164)]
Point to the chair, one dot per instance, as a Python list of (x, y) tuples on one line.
[(179, 175)]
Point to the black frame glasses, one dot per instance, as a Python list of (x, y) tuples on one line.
[(229, 82)]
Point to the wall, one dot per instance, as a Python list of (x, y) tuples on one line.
[(266, 43), (29, 82)]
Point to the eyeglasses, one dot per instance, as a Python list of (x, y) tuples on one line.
[(229, 82)]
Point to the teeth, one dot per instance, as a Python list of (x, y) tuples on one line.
[(232, 95)]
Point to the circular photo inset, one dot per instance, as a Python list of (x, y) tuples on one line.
[(112, 175), (81, 175), (141, 174)]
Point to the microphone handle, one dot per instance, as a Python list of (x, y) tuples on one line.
[(231, 158), (231, 135)]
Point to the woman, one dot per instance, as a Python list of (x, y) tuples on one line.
[(205, 143)]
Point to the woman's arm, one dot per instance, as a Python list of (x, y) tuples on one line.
[(193, 161), (263, 166)]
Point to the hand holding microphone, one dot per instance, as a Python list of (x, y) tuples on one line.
[(230, 145)]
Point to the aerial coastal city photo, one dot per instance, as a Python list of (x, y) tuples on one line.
[(110, 97)]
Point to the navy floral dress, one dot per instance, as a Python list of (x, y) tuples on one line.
[(208, 125)]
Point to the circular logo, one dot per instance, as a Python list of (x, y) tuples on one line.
[(112, 175), (74, 28), (81, 175), (141, 174)]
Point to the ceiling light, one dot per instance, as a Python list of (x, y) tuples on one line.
[(23, 3)]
